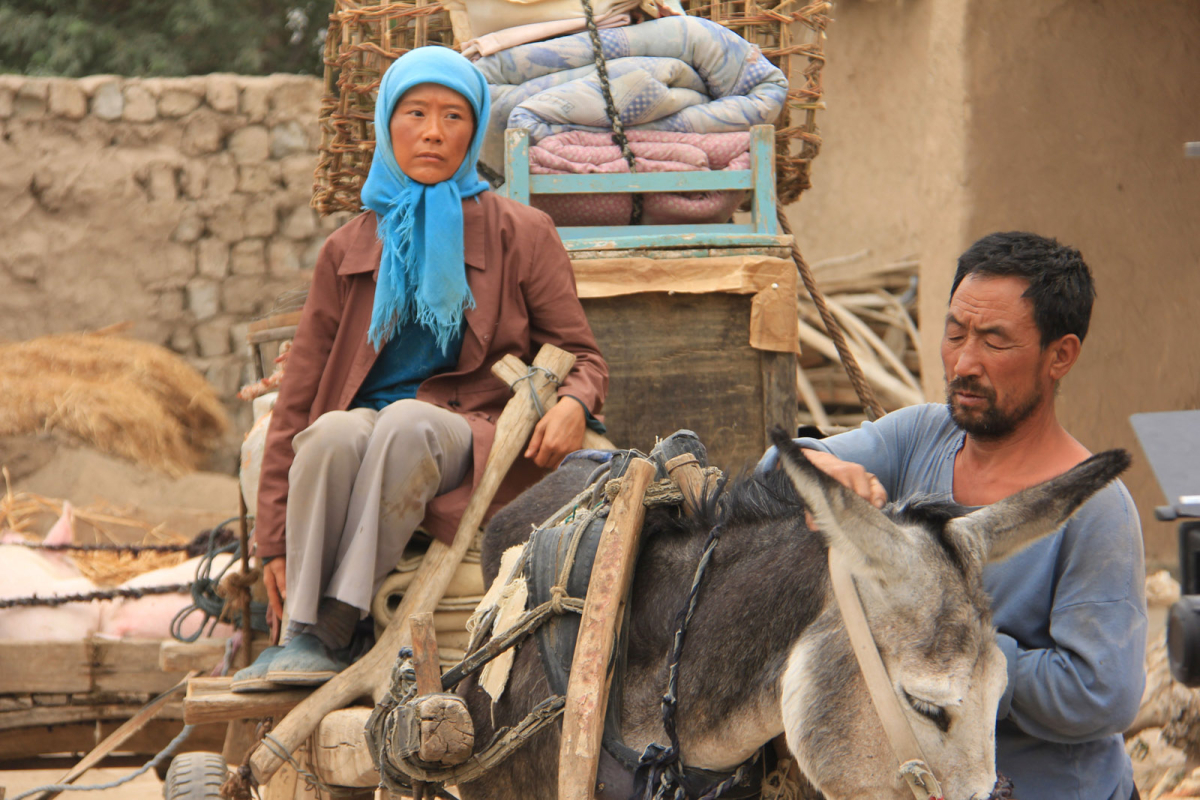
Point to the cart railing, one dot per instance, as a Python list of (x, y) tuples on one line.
[(761, 231)]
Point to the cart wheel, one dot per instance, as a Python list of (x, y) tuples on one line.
[(195, 776)]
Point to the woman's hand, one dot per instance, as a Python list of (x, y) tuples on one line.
[(558, 433), (275, 579)]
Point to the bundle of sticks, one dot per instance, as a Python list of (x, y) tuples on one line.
[(875, 305)]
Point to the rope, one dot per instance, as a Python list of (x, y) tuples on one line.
[(533, 395), (313, 782), (861, 388), (664, 492), (207, 597), (135, 549), (133, 593), (662, 763), (618, 127), (166, 752)]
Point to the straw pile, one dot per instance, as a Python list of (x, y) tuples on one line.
[(121, 396), (875, 306)]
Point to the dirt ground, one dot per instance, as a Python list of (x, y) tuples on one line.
[(144, 787)]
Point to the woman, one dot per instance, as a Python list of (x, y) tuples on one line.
[(388, 408)]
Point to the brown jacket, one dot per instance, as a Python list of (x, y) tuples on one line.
[(525, 297)]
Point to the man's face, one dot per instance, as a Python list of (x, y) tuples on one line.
[(996, 369), (431, 131)]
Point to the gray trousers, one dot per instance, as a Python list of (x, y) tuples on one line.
[(357, 490)]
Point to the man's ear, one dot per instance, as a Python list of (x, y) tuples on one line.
[(1063, 353)]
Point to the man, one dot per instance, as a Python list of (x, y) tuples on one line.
[(1069, 610)]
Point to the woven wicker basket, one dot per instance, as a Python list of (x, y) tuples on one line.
[(364, 39)]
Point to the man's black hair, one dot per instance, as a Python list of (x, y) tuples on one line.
[(1060, 283)]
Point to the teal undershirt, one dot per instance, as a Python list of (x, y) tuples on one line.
[(405, 362)]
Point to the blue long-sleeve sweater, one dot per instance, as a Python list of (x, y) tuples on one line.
[(1070, 611)]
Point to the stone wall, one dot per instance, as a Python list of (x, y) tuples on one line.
[(180, 205)]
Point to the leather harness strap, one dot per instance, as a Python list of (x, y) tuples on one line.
[(913, 767)]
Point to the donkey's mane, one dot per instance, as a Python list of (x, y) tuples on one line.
[(769, 496)]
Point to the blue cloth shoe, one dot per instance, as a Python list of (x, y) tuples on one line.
[(254, 677), (305, 661)]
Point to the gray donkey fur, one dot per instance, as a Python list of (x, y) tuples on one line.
[(766, 652)]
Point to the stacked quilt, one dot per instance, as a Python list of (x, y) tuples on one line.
[(678, 75), (580, 152)]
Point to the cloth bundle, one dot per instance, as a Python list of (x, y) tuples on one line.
[(678, 74), (580, 152)]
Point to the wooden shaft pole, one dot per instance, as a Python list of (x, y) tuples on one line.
[(688, 475), (511, 369), (369, 675), (587, 690), (425, 653)]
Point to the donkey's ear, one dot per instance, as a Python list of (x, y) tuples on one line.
[(848, 522), (1003, 528)]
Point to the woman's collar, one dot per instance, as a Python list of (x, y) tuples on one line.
[(366, 250)]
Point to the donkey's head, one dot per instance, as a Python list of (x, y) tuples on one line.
[(918, 572)]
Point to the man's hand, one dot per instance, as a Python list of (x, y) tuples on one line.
[(275, 579), (852, 476), (558, 433)]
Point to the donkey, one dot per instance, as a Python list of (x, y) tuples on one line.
[(766, 652)]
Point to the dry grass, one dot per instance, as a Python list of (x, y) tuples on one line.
[(122, 396)]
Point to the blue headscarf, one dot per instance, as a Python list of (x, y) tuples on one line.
[(421, 273)]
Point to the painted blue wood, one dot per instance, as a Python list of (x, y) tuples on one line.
[(706, 181), (516, 165), (762, 165), (763, 231), (634, 237)]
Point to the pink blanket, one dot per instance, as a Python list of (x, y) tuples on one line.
[(581, 152)]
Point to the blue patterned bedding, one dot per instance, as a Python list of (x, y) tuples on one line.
[(684, 74)]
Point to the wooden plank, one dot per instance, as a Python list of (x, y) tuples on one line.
[(625, 183), (28, 667), (81, 737), (762, 165), (117, 738), (341, 757), (209, 700), (684, 252), (286, 783), (425, 653), (41, 716), (682, 361), (781, 403), (599, 625), (241, 735), (272, 334), (654, 236), (202, 654), (290, 318), (516, 165), (130, 666)]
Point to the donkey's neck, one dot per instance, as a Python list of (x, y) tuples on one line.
[(765, 584)]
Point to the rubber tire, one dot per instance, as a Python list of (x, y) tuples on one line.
[(195, 776)]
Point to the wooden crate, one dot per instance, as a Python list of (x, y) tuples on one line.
[(684, 361)]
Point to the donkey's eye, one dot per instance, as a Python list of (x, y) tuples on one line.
[(935, 714)]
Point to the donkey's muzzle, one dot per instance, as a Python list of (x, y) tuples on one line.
[(1003, 790)]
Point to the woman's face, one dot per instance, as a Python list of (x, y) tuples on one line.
[(431, 131)]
